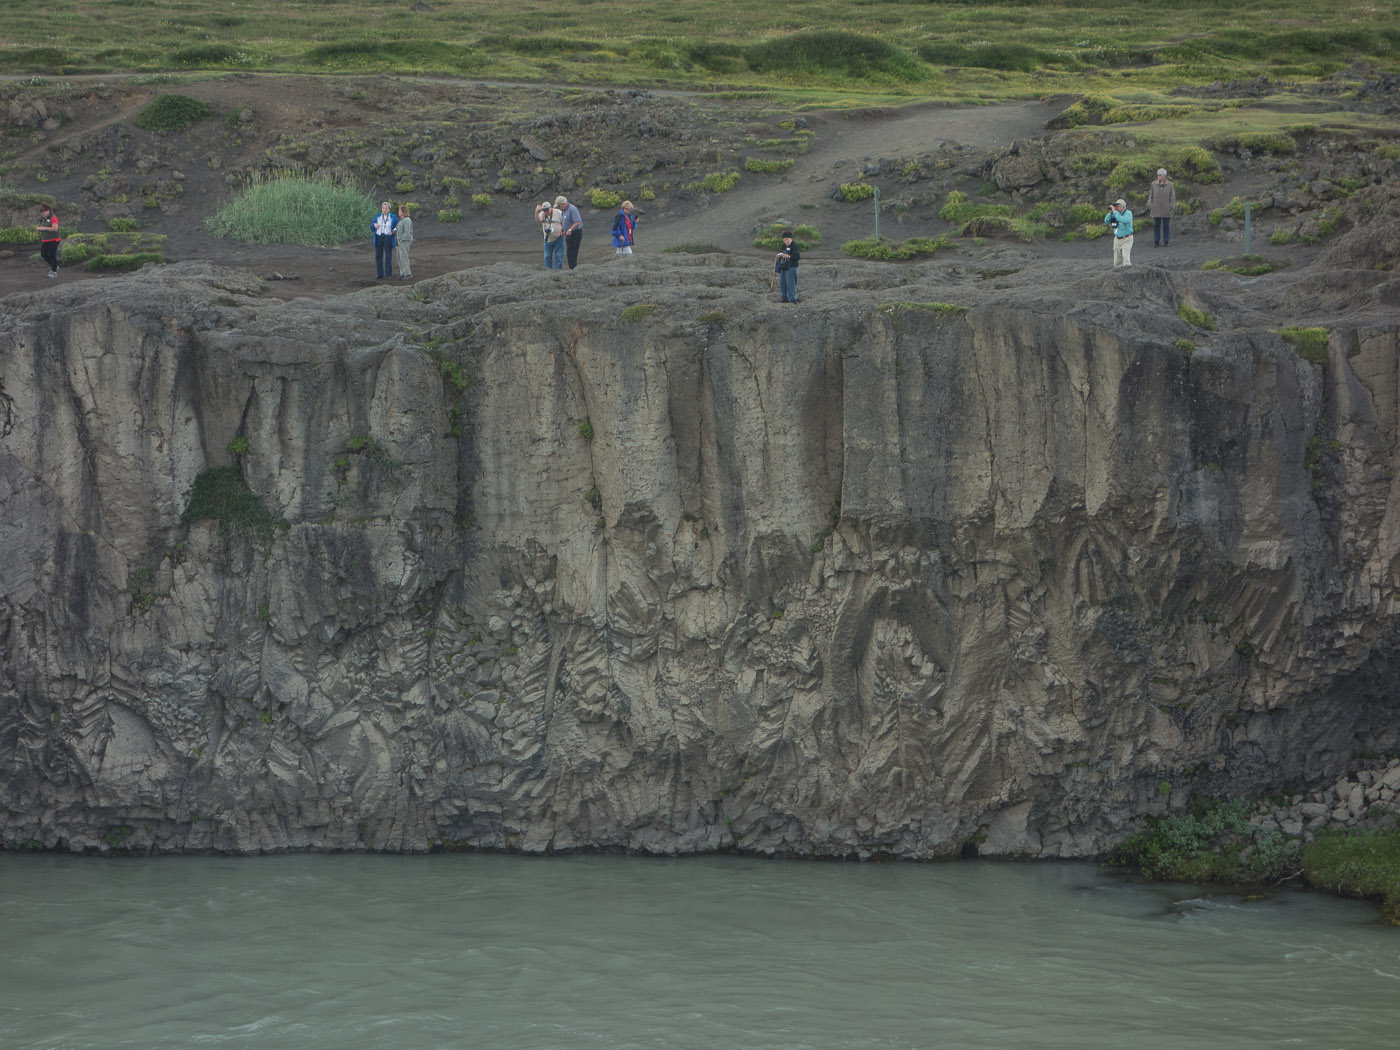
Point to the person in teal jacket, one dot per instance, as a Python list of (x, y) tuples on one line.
[(1120, 219)]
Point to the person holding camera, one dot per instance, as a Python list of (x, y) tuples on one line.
[(1120, 220), (1161, 202), (551, 221), (785, 266), (383, 226), (573, 229)]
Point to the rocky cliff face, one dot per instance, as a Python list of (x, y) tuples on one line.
[(939, 559)]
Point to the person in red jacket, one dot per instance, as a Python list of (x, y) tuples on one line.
[(48, 238)]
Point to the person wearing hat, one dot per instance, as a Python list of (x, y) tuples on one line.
[(551, 222), (1161, 201), (573, 229), (1120, 220)]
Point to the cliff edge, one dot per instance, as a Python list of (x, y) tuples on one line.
[(941, 559)]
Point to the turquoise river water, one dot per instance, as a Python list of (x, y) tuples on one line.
[(712, 953)]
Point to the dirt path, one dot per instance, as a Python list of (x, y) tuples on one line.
[(842, 143)]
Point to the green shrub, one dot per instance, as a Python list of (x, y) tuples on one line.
[(835, 53), (638, 311), (481, 200), (1233, 210), (803, 236), (1251, 266), (1268, 142), (1311, 343), (121, 225), (601, 198), (1083, 214), (1280, 237), (1214, 842), (295, 209), (1196, 317), (19, 235), (717, 182), (223, 495), (856, 191), (958, 209), (237, 447), (450, 215), (767, 167), (123, 262), (585, 430), (895, 251), (172, 113)]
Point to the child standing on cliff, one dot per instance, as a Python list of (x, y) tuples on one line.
[(48, 238)]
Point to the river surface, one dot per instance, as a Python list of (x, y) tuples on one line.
[(713, 953)]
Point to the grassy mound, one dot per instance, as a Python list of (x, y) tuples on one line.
[(172, 113), (295, 209), (828, 53), (1365, 865)]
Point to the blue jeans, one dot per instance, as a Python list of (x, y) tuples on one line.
[(787, 284), (1161, 229), (383, 256), (554, 254)]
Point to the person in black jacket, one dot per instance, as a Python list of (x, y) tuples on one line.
[(786, 267)]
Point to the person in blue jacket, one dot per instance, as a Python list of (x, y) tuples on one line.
[(1120, 220), (623, 225), (384, 225)]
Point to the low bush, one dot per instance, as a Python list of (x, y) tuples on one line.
[(767, 167), (1196, 317), (450, 215), (1213, 842), (895, 251), (638, 311), (717, 182), (222, 495), (601, 198), (295, 209), (772, 236), (123, 262), (958, 209), (172, 113), (833, 52), (1311, 343), (856, 191)]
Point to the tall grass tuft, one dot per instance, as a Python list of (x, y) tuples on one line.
[(295, 209)]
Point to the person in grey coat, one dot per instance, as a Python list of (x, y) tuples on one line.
[(404, 233), (1161, 201)]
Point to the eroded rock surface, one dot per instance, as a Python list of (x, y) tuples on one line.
[(940, 558)]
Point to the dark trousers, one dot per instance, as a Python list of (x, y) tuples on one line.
[(571, 243), (383, 256), (48, 251), (1161, 229)]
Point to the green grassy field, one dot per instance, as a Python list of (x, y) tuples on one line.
[(897, 48)]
